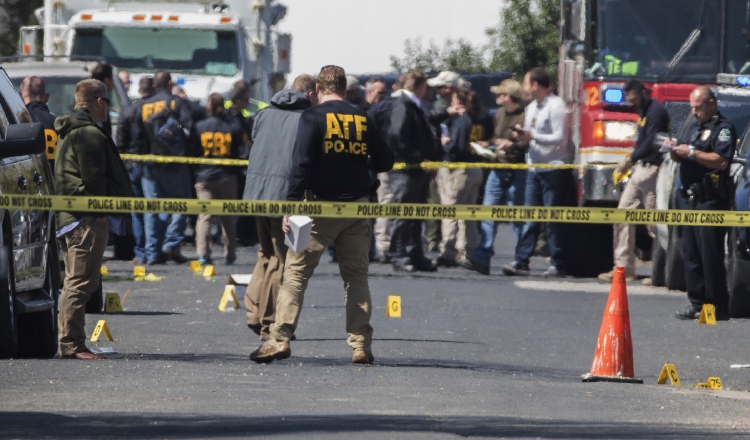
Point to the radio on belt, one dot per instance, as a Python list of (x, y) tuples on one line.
[(298, 237)]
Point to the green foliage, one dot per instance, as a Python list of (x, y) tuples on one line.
[(456, 55), (17, 13), (527, 36)]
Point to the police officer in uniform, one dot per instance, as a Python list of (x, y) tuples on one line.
[(335, 147), (704, 155), (35, 96)]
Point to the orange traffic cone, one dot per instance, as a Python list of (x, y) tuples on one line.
[(613, 358)]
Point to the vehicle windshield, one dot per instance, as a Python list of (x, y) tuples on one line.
[(62, 99), (199, 51), (639, 38)]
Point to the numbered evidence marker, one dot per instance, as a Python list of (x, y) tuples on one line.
[(112, 303), (226, 297), (132, 298), (139, 271), (104, 271), (394, 307), (708, 315), (669, 372), (195, 266), (101, 326), (209, 271), (712, 382)]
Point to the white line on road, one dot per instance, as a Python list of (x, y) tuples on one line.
[(591, 287)]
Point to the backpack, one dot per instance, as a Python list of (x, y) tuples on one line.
[(167, 134)]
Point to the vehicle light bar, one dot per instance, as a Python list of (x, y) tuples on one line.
[(613, 94), (86, 17), (173, 18), (733, 80), (225, 19), (156, 18), (139, 17)]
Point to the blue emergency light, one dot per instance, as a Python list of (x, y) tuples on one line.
[(743, 81), (614, 96)]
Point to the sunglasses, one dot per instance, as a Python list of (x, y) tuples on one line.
[(106, 100)]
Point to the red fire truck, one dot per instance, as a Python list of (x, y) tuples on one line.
[(669, 45)]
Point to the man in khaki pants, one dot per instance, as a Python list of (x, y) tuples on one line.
[(336, 145), (640, 191), (268, 175), (87, 164)]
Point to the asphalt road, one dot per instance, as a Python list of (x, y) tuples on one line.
[(472, 356)]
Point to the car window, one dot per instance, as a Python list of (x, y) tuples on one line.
[(13, 100)]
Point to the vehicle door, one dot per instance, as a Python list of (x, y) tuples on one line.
[(24, 176)]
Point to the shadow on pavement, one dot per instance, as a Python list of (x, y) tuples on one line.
[(390, 339), (34, 425)]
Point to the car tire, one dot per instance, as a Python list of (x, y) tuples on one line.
[(38, 331), (738, 279), (8, 315), (95, 304), (588, 249), (674, 273)]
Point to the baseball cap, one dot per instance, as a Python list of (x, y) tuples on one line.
[(352, 83), (508, 87), (446, 78)]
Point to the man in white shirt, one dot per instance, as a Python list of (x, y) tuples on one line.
[(544, 130)]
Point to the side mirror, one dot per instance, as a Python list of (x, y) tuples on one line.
[(22, 140), (572, 19)]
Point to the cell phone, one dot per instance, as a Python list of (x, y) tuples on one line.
[(516, 129)]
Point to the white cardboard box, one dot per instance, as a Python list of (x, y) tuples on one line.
[(299, 237)]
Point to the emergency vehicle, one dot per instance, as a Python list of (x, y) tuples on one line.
[(671, 46), (207, 44)]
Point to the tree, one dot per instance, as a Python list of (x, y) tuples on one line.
[(456, 55), (17, 13), (527, 36)]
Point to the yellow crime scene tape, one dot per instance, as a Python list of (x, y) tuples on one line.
[(398, 166), (109, 205)]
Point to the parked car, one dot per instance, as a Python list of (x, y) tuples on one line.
[(61, 78), (29, 272)]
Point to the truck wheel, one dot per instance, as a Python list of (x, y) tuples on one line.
[(95, 304), (738, 280), (8, 317), (588, 249), (38, 331), (674, 273)]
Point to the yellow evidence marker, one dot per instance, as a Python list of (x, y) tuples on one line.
[(101, 326), (112, 303), (132, 298), (195, 266), (139, 271), (708, 315), (669, 372), (228, 295), (393, 309), (209, 271), (714, 383), (104, 271)]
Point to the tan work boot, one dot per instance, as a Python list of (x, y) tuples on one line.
[(362, 356), (270, 351), (608, 276)]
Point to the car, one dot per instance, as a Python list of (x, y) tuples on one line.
[(29, 273), (60, 77), (733, 99)]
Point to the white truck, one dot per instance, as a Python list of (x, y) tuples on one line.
[(206, 44)]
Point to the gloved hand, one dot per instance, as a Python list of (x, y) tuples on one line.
[(624, 165)]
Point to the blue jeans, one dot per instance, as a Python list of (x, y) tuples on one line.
[(136, 175), (495, 195), (159, 181), (544, 188)]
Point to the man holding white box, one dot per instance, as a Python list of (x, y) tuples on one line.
[(335, 148)]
